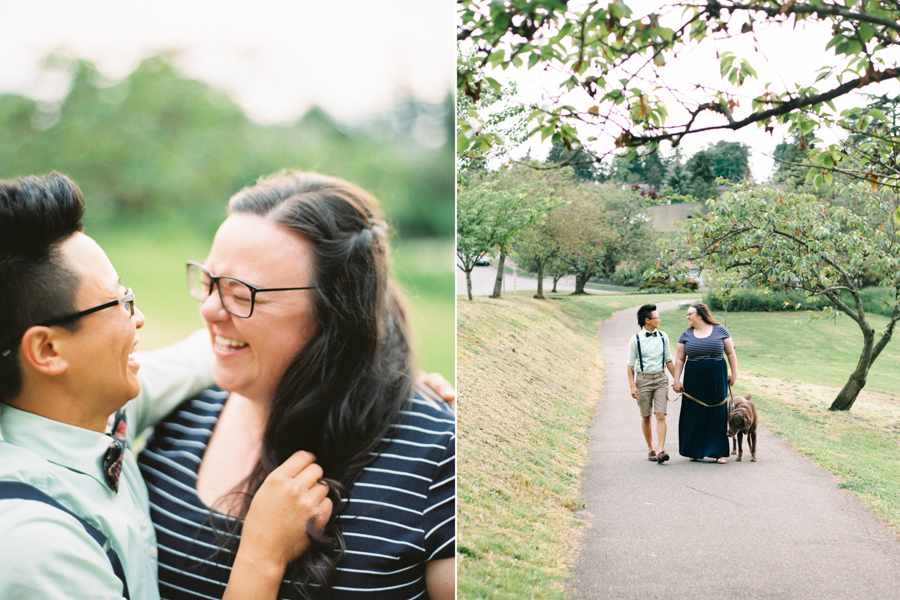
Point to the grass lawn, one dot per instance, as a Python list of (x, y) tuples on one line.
[(150, 258), (529, 375)]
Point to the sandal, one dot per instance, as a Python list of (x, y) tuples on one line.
[(662, 457), (722, 460), (652, 455)]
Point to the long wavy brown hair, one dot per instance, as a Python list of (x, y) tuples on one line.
[(342, 391)]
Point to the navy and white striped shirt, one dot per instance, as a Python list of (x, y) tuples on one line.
[(400, 514), (712, 346)]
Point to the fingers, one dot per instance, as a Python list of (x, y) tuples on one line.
[(323, 513), (297, 462), (440, 386)]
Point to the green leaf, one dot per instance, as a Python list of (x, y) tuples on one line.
[(866, 32)]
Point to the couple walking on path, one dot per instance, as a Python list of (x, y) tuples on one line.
[(703, 421), (778, 528)]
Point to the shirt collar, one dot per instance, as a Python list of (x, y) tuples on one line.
[(644, 329), (74, 448)]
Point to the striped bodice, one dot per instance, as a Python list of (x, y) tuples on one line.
[(400, 514), (712, 346)]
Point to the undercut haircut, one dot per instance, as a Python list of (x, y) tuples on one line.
[(37, 214), (644, 313)]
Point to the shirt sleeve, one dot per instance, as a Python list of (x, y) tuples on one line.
[(440, 507), (169, 376), (724, 333), (46, 555), (632, 351), (683, 338)]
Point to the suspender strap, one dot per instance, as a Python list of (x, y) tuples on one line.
[(662, 336), (10, 490), (637, 338)]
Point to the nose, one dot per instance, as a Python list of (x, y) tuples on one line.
[(211, 309), (138, 318)]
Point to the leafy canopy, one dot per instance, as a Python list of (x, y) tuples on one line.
[(613, 86)]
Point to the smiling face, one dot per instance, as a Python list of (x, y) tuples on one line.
[(252, 354), (101, 365), (694, 320)]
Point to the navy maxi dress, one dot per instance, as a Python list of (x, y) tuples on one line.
[(702, 431)]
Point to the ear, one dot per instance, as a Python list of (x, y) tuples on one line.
[(40, 350)]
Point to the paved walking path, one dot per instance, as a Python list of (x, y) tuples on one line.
[(776, 528)]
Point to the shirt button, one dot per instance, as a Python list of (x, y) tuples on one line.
[(153, 552)]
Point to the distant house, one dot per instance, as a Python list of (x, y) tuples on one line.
[(667, 216)]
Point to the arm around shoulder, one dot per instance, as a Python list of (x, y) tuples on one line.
[(171, 375)]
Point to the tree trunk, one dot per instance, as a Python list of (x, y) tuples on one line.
[(540, 276), (498, 284), (469, 283), (847, 396), (580, 280), (556, 279)]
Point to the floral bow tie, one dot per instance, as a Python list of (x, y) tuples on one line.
[(112, 460)]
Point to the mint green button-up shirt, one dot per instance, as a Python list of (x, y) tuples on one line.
[(45, 553), (654, 350)]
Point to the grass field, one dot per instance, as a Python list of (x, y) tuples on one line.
[(528, 373), (150, 258), (791, 347)]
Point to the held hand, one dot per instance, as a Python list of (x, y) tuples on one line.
[(634, 392), (436, 387), (275, 528), (677, 386)]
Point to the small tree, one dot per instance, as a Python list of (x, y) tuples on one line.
[(477, 232), (493, 210), (779, 239)]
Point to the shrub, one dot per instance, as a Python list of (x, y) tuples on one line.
[(662, 285), (873, 299)]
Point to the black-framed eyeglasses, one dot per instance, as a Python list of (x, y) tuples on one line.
[(127, 300), (237, 297)]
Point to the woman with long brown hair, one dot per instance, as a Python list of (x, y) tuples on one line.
[(312, 353), (703, 422)]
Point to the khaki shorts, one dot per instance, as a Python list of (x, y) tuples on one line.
[(652, 389)]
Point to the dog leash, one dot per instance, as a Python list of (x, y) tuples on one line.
[(683, 393)]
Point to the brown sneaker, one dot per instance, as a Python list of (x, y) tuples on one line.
[(652, 455), (662, 457)]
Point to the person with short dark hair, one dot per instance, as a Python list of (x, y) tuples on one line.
[(74, 515), (703, 422), (649, 356)]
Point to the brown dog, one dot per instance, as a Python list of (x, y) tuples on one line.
[(742, 419)]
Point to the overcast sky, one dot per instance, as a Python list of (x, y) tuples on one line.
[(782, 54), (276, 58)]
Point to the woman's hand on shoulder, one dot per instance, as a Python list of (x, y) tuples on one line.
[(292, 495)]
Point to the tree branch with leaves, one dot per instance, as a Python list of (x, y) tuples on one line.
[(782, 239)]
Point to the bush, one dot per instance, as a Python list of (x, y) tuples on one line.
[(661, 285), (873, 300)]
